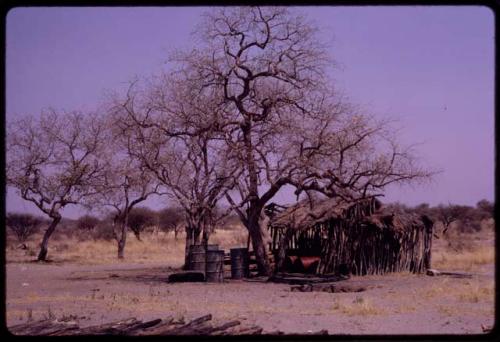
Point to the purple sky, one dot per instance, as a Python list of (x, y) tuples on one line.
[(430, 68)]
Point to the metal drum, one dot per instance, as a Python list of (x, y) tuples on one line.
[(239, 263), (197, 258), (215, 267)]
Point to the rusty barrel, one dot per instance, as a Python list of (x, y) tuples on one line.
[(215, 266), (239, 263), (197, 258)]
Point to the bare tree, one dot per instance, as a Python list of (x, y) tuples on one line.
[(126, 183), (448, 214), (177, 138), (283, 121), (171, 219), (87, 223), (141, 218), (52, 162)]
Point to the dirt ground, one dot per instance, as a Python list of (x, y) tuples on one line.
[(393, 304)]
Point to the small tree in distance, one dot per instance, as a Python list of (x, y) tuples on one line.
[(87, 224), (171, 219), (23, 225), (486, 209), (140, 218)]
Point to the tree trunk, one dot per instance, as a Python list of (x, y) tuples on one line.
[(259, 248), (121, 242), (192, 238), (205, 236), (123, 238), (189, 242), (42, 256)]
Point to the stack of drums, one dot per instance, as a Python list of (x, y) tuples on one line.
[(215, 266), (239, 263), (197, 257)]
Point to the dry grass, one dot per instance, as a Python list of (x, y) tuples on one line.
[(466, 260), (358, 307), (154, 248), (472, 291), (475, 292), (465, 251)]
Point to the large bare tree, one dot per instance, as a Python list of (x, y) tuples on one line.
[(52, 162), (176, 138), (126, 182), (283, 121)]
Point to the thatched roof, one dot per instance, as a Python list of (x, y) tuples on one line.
[(395, 221), (306, 214)]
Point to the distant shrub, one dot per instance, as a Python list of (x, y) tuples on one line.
[(229, 222), (86, 225), (104, 231), (170, 219), (140, 218), (458, 241), (485, 209), (23, 225)]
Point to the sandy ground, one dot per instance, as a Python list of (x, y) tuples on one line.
[(395, 303)]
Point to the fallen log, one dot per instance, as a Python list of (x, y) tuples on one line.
[(44, 327), (141, 325), (24, 326), (185, 329), (157, 329), (331, 288), (253, 330), (132, 326), (225, 326), (113, 328), (433, 273)]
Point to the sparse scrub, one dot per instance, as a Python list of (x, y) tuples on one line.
[(358, 307), (23, 225), (472, 291), (140, 218), (86, 225), (475, 292), (154, 247), (104, 231), (363, 308), (466, 259), (171, 219)]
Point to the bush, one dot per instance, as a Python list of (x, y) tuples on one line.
[(230, 222), (458, 241), (170, 219), (86, 225), (485, 209), (140, 218), (104, 231), (23, 225)]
